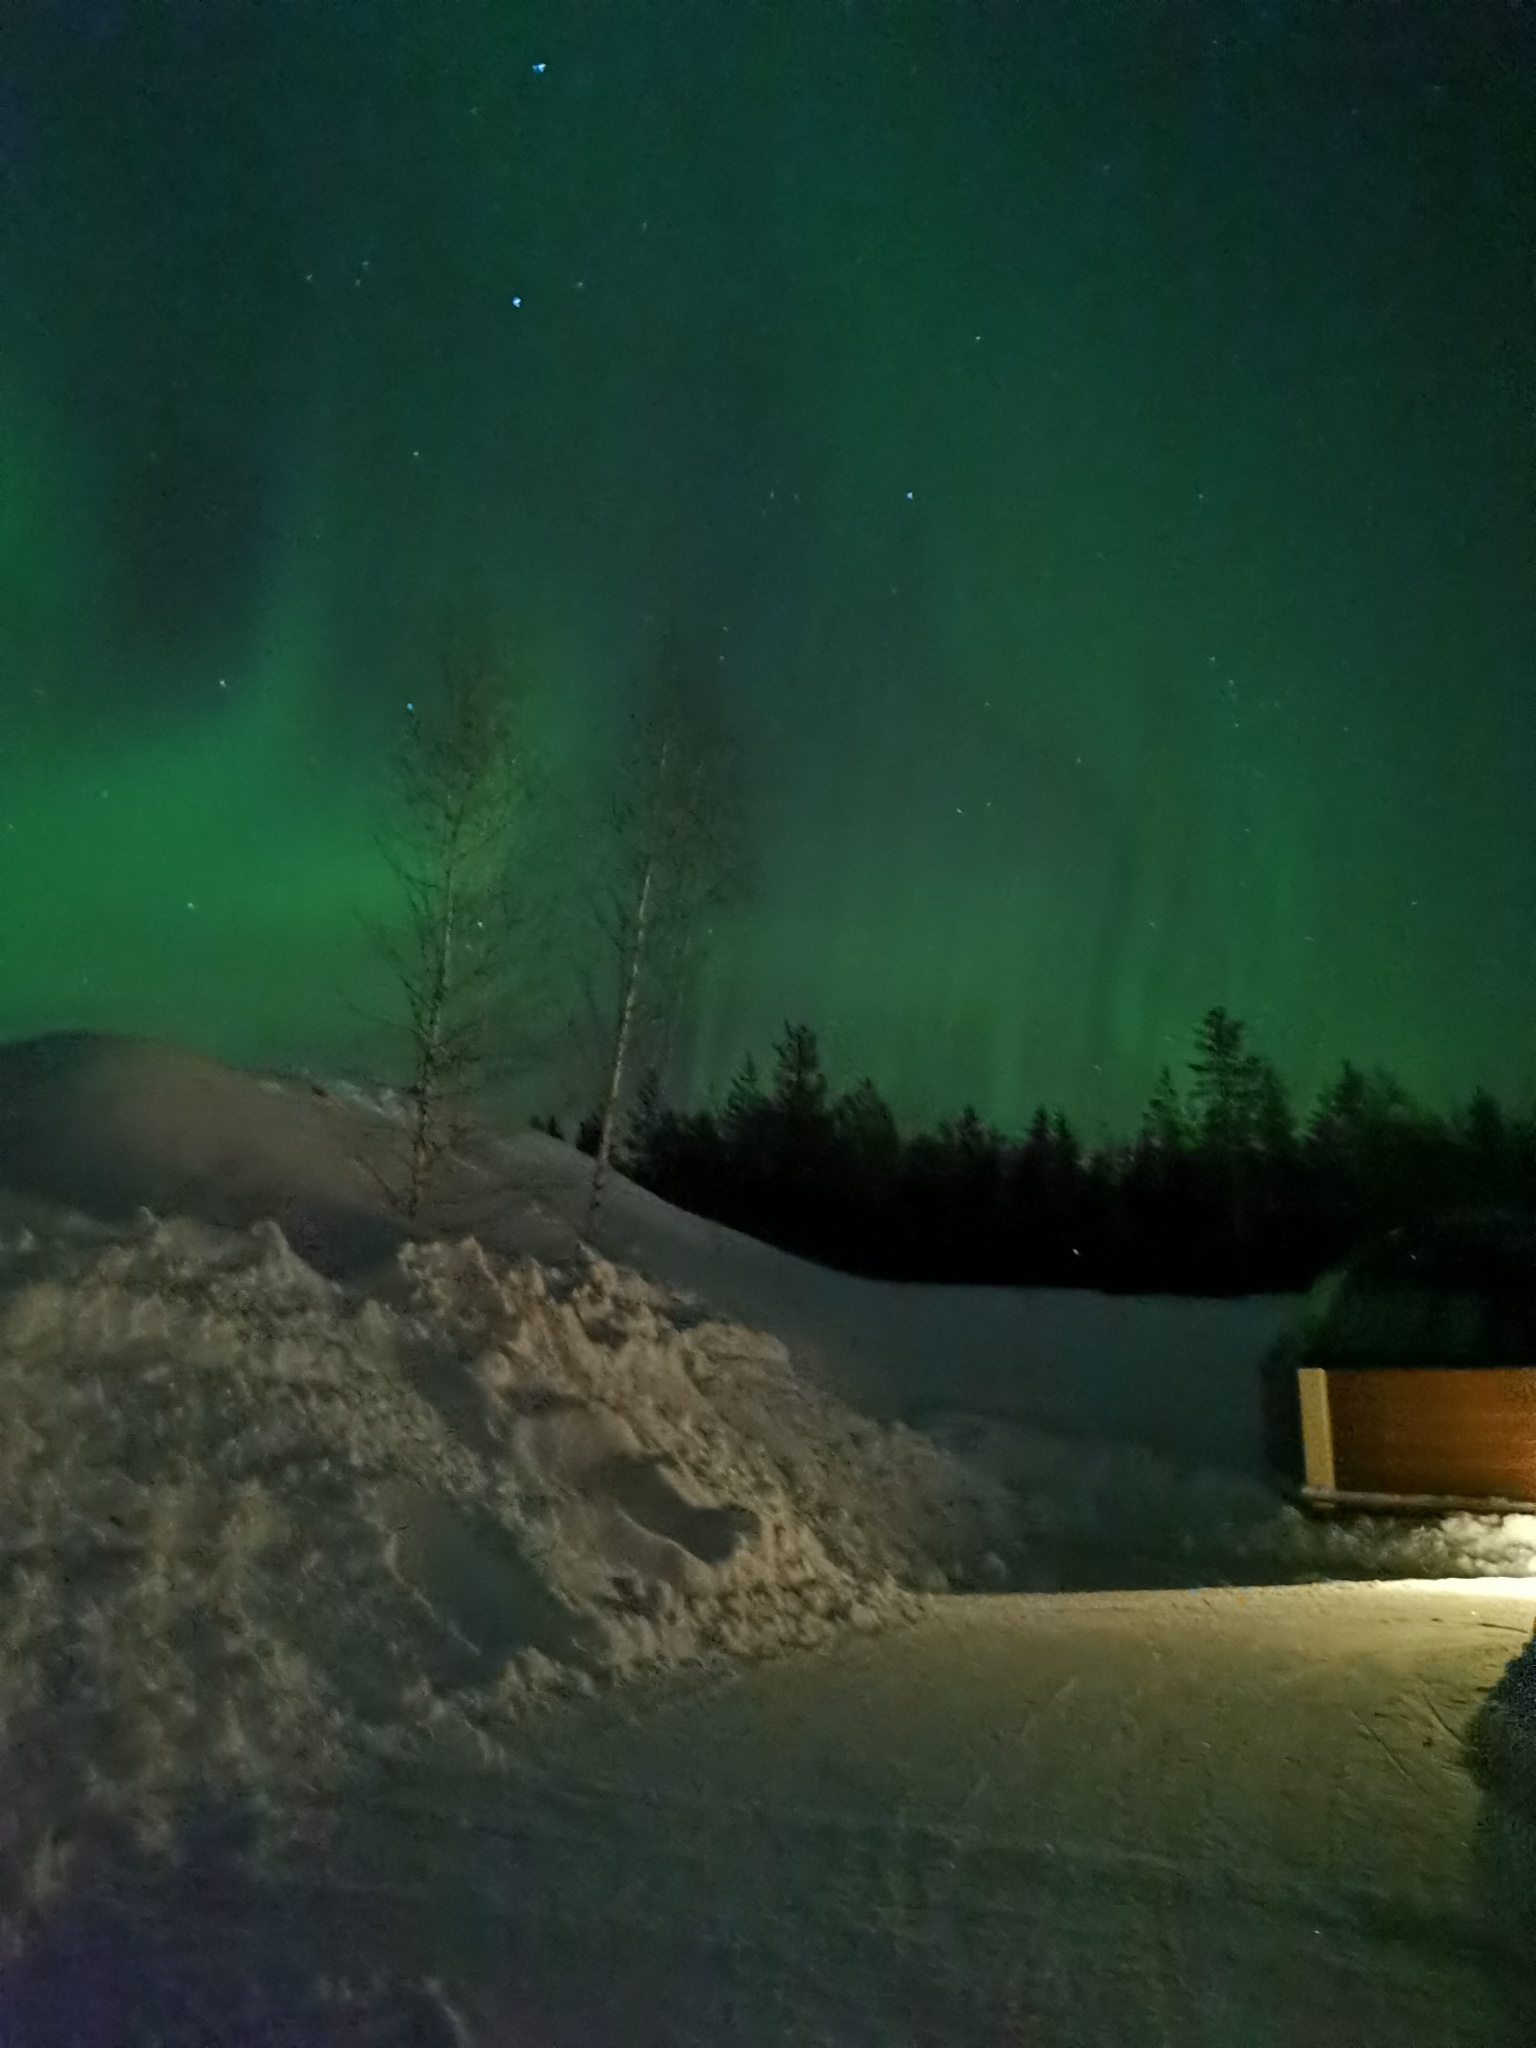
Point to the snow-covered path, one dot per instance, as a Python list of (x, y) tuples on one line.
[(1234, 1817)]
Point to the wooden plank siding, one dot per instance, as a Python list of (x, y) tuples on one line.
[(1420, 1433)]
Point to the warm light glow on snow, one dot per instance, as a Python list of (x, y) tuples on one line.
[(1488, 1587)]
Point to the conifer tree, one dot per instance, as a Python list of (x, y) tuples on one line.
[(1222, 1091), (865, 1123), (1165, 1123), (1273, 1123), (799, 1085), (746, 1104), (647, 1116)]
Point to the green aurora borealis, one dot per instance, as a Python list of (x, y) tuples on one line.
[(1094, 436)]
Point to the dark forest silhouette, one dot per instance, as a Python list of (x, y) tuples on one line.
[(1224, 1191)]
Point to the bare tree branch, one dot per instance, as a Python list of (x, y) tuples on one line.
[(456, 827), (679, 854)]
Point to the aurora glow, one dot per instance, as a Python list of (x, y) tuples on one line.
[(1096, 439)]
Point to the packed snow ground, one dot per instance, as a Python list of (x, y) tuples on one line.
[(1236, 1818)]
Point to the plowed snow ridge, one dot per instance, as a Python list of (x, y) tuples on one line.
[(258, 1532)]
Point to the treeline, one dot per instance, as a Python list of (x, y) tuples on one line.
[(1226, 1189)]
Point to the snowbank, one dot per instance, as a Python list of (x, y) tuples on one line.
[(259, 1531), (1504, 1747), (1181, 1376), (1093, 1512), (106, 1124)]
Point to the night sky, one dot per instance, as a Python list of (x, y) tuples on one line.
[(1093, 438)]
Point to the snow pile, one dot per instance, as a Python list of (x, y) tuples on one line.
[(1093, 1512), (1503, 1737), (259, 1532)]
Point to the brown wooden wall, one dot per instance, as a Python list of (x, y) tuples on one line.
[(1431, 1430)]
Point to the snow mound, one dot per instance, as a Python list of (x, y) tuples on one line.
[(1503, 1737), (259, 1533), (1096, 1511)]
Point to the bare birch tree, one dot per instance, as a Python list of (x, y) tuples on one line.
[(463, 782), (680, 846)]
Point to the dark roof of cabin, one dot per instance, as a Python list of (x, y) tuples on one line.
[(1458, 1291)]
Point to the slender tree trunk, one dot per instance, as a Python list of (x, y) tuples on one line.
[(620, 1047), (425, 1090)]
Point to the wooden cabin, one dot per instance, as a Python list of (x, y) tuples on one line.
[(1410, 1383)]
